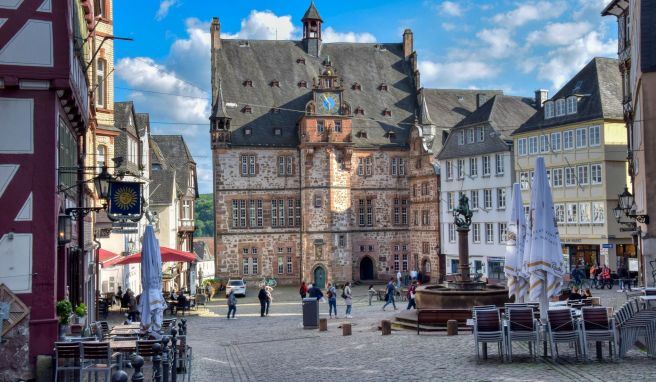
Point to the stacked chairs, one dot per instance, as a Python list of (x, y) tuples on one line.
[(184, 357), (67, 359), (167, 324), (522, 326), (488, 328), (97, 357), (634, 321), (146, 351), (598, 327), (562, 327)]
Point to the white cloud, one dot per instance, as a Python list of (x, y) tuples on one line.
[(527, 12), (190, 57), (164, 7), (448, 26), (559, 33), (562, 63), (264, 25), (455, 73), (450, 8), (330, 35), (498, 43)]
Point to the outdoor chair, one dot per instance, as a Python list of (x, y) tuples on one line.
[(634, 322), (522, 326), (167, 323), (97, 357), (488, 328), (145, 350), (184, 357), (483, 307), (67, 360), (201, 299), (562, 327), (104, 326), (598, 327)]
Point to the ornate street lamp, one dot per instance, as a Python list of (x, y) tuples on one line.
[(626, 200), (102, 183), (627, 204), (618, 211), (64, 228)]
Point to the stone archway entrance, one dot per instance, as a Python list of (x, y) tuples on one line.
[(319, 277), (425, 270), (366, 268)]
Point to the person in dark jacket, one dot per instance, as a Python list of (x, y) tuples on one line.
[(315, 292), (262, 296), (303, 290), (390, 294)]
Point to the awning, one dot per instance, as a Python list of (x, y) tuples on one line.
[(107, 258), (168, 255)]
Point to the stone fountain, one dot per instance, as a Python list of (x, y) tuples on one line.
[(463, 293)]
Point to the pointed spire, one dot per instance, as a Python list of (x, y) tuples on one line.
[(311, 13), (219, 106)]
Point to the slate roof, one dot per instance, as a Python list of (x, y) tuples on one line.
[(447, 107), (311, 13), (501, 113), (142, 120), (264, 61), (123, 111), (162, 177), (176, 153), (600, 91), (202, 249)]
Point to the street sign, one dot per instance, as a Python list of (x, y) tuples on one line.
[(125, 225), (125, 231), (607, 246)]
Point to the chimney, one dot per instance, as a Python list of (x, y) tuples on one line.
[(407, 43), (215, 41), (541, 96), (481, 98)]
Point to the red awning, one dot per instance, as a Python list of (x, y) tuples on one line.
[(168, 255), (107, 258)]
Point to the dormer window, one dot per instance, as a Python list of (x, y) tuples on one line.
[(382, 87), (248, 83), (277, 131), (356, 86), (387, 113), (391, 135), (362, 134), (571, 105), (243, 44), (247, 110), (275, 83), (302, 84), (275, 110), (300, 61), (248, 131), (359, 111), (548, 109), (560, 107)]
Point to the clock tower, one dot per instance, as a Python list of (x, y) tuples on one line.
[(312, 31)]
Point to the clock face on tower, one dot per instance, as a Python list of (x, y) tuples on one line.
[(328, 103)]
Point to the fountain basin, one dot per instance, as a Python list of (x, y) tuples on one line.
[(440, 296)]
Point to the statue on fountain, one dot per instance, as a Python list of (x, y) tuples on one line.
[(462, 213)]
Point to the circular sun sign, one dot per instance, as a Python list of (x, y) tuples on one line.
[(125, 198)]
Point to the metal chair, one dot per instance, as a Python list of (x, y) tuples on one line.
[(67, 359), (562, 327), (145, 350), (97, 357), (167, 324), (522, 326), (488, 328), (184, 357), (598, 327)]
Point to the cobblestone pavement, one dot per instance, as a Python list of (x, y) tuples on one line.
[(277, 348)]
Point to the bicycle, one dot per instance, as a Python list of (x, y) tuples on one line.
[(268, 281)]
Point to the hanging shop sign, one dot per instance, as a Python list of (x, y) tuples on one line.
[(125, 201)]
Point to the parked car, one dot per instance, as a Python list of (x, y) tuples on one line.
[(238, 286)]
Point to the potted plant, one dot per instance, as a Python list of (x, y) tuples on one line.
[(79, 313), (64, 310)]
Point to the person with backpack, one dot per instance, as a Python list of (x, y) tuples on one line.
[(389, 296), (348, 300), (232, 304), (332, 300), (411, 296), (303, 290), (262, 296)]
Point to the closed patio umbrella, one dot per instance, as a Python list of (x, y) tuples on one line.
[(513, 267), (543, 255), (152, 303)]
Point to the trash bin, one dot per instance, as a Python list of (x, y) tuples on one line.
[(310, 313)]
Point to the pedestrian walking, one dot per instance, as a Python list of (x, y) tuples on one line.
[(592, 281), (232, 304), (332, 300), (411, 296), (262, 296), (314, 292), (389, 296), (372, 292), (398, 279), (269, 298), (303, 290), (348, 300)]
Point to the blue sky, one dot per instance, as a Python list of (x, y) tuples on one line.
[(516, 46)]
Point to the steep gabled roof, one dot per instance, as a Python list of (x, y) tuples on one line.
[(125, 122), (311, 13), (447, 107), (599, 89), (176, 153), (162, 177), (142, 121)]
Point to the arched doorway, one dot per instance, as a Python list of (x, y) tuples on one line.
[(366, 268), (425, 270), (320, 277)]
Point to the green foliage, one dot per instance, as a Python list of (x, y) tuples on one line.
[(204, 213), (64, 310), (81, 310)]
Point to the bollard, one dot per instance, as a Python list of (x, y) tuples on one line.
[(174, 363), (452, 328), (323, 324), (386, 327), (346, 329), (157, 362), (137, 363), (166, 366), (180, 331), (120, 376), (184, 326)]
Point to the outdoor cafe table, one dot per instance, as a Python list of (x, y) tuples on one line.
[(648, 299), (123, 346)]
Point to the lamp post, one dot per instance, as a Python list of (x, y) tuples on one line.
[(626, 205)]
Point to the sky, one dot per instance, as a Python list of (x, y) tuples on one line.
[(517, 46)]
